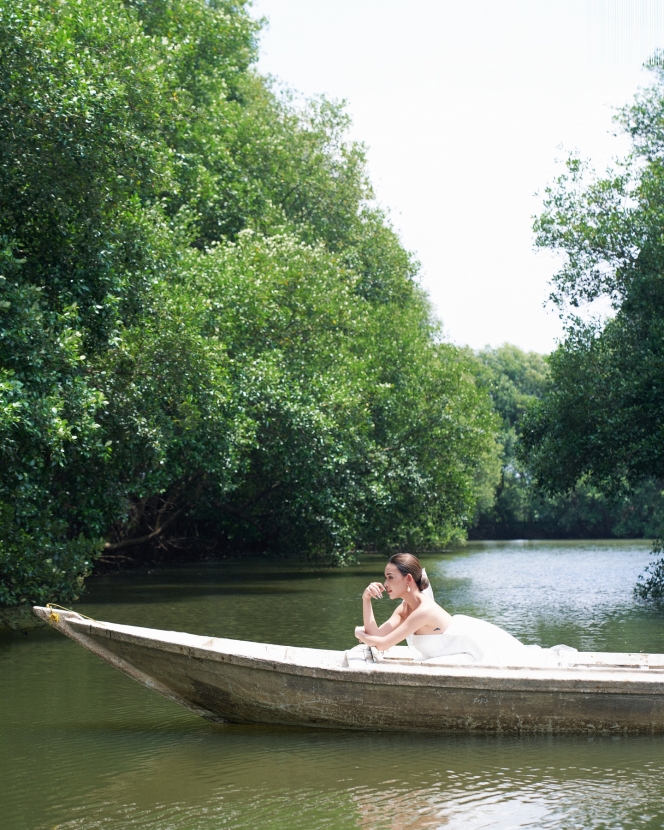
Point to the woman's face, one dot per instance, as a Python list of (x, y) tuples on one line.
[(396, 583)]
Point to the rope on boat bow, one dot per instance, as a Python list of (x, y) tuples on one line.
[(56, 617)]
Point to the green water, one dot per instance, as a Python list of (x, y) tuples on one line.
[(85, 747)]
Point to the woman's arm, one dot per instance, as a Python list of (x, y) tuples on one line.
[(375, 590), (390, 625), (405, 628)]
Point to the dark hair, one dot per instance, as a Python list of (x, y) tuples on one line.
[(406, 564)]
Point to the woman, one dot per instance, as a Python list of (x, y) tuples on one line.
[(428, 627)]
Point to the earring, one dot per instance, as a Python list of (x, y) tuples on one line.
[(409, 588)]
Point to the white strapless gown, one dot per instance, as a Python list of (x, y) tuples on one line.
[(470, 640)]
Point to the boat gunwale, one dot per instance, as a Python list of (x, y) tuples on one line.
[(565, 679)]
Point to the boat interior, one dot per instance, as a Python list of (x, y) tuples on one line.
[(361, 657)]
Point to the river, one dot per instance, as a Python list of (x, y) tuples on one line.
[(85, 747)]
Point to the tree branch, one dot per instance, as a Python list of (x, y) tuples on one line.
[(139, 540)]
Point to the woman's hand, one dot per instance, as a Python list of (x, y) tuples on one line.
[(363, 637), (373, 591), (367, 639)]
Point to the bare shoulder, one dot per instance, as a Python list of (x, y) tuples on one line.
[(401, 610), (431, 618)]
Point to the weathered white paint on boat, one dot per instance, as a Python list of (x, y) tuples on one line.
[(235, 681)]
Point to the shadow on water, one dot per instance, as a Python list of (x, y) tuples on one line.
[(251, 576)]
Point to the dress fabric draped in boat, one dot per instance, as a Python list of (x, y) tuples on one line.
[(469, 635), (471, 640)]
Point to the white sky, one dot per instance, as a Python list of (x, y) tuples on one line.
[(465, 105)]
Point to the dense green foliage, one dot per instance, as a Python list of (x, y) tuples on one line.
[(516, 381), (603, 418), (209, 336)]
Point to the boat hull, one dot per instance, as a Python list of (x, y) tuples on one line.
[(239, 682)]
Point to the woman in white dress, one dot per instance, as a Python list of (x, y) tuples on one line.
[(427, 626)]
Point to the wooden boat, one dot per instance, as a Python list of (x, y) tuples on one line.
[(234, 681)]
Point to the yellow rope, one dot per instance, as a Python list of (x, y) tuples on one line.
[(56, 617)]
